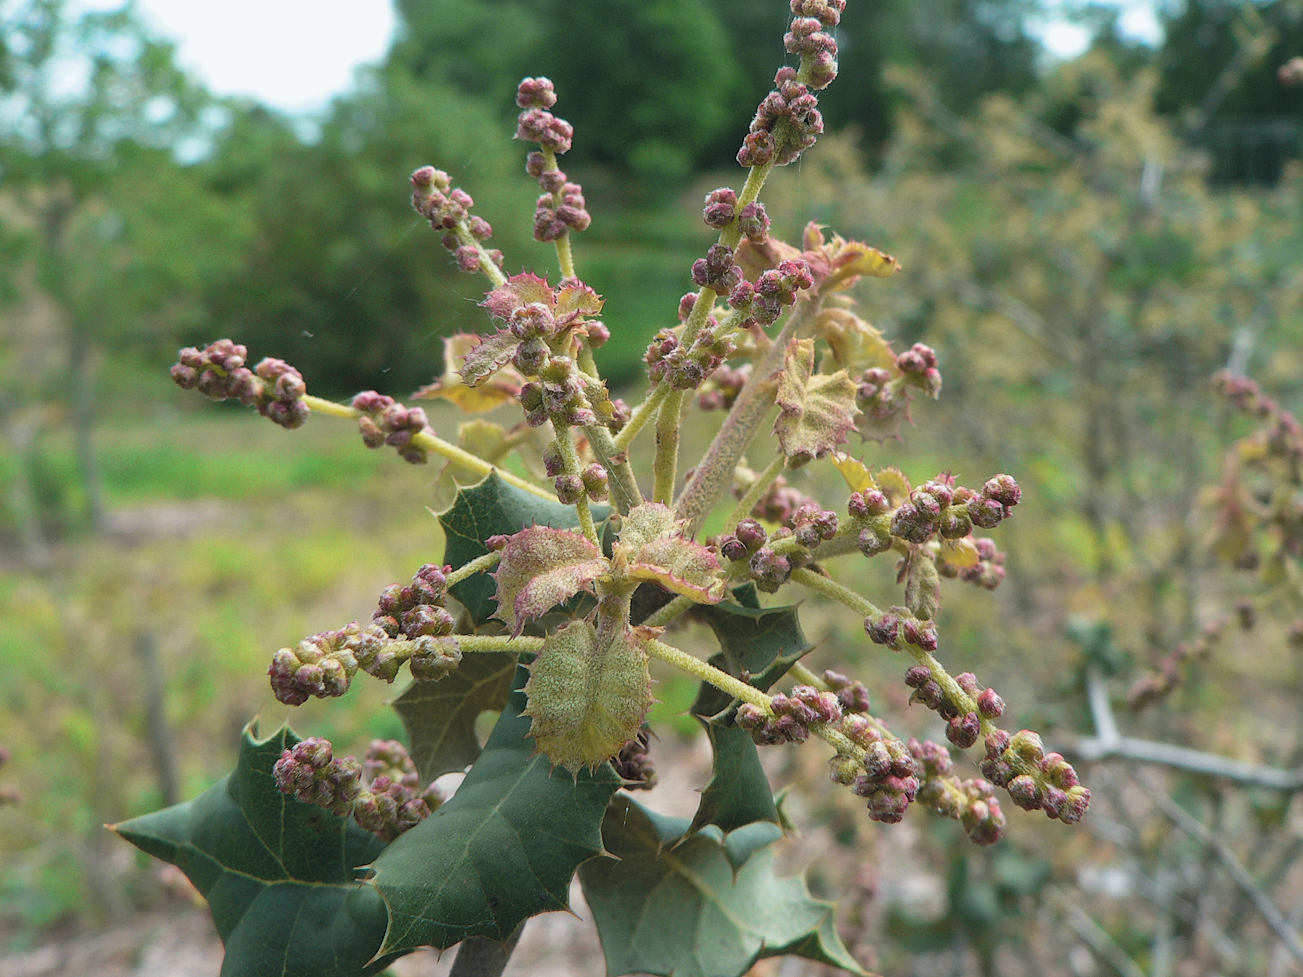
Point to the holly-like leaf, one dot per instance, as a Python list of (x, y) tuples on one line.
[(488, 356), (682, 910), (763, 642), (818, 410), (541, 568), (503, 849), (589, 692), (738, 793), (494, 508), (440, 716), (279, 874), (503, 388)]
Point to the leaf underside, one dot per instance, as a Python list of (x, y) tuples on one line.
[(279, 874), (503, 849), (440, 716), (673, 904), (494, 508)]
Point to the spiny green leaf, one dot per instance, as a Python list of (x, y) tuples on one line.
[(494, 508), (279, 875), (440, 716), (541, 568), (682, 910), (502, 850), (765, 643)]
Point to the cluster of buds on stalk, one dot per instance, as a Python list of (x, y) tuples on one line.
[(218, 371), (384, 421), (884, 396), (386, 801), (686, 367), (722, 212), (724, 387), (448, 210), (593, 481), (790, 716), (634, 763), (970, 802), (939, 508), (963, 725), (761, 303), (561, 207), (1036, 780)]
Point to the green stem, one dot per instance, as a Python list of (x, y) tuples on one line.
[(666, 464), (624, 484), (430, 441), (570, 459), (678, 606), (960, 699), (564, 256), (478, 565), (475, 643), (643, 413), (491, 271), (753, 493), (709, 673)]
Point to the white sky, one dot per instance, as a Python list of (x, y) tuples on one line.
[(296, 55)]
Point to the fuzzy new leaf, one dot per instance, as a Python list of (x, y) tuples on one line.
[(503, 388), (818, 410), (488, 356), (589, 692), (652, 547), (542, 568)]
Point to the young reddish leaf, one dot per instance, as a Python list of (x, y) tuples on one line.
[(520, 290), (490, 355), (503, 388), (652, 547), (818, 410), (543, 567), (588, 692)]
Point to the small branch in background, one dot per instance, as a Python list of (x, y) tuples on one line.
[(1196, 829), (1093, 935), (22, 499), (160, 742), (1109, 743)]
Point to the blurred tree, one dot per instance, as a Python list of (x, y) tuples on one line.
[(118, 233)]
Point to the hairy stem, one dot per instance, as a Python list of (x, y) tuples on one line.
[(432, 442), (564, 256), (708, 673), (570, 459), (624, 484), (666, 465), (467, 240), (643, 413), (715, 471), (478, 565), (677, 607)]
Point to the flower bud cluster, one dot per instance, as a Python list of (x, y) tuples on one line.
[(717, 271), (1153, 686), (324, 664), (779, 504), (939, 507), (389, 803), (871, 506), (557, 396), (386, 422), (812, 525), (722, 210), (1036, 780), (634, 764), (963, 722), (593, 481), (786, 123), (448, 209), (762, 303), (887, 776), (726, 384), (792, 715), (988, 572), (218, 371), (419, 609), (561, 208), (852, 694), (685, 368), (970, 802), (817, 48)]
